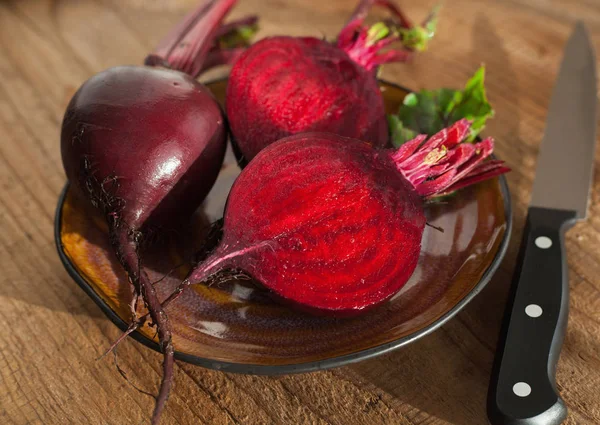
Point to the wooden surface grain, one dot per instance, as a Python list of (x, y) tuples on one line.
[(51, 332)]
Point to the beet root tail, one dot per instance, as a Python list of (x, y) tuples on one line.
[(126, 247), (126, 244)]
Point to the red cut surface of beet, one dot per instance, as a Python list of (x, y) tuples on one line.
[(285, 85), (290, 85), (156, 131), (338, 235)]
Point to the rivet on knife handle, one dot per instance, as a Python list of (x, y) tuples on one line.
[(523, 387)]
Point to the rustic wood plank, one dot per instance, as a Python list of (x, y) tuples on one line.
[(51, 333)]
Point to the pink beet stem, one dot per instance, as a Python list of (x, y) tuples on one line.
[(444, 163), (168, 44), (348, 33), (360, 13), (221, 57), (391, 57), (187, 47), (469, 180), (189, 54), (354, 40), (363, 8)]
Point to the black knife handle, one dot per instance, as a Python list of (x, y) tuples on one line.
[(523, 384)]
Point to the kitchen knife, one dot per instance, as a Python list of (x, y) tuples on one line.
[(523, 385)]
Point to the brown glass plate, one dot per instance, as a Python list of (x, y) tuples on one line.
[(235, 326)]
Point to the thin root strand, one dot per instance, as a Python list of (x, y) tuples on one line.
[(438, 228), (124, 375), (132, 327)]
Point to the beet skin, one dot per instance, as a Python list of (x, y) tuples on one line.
[(142, 137)]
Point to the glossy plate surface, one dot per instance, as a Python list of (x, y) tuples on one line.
[(235, 326)]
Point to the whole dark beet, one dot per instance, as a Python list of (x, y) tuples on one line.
[(147, 142), (145, 145)]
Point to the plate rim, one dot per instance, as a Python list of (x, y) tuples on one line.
[(258, 369)]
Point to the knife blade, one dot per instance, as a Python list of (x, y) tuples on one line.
[(522, 387), (564, 166)]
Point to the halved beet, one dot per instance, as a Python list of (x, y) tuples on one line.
[(333, 225), (290, 85)]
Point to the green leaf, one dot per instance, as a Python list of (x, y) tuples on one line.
[(400, 134), (429, 111), (473, 104), (431, 22), (417, 38)]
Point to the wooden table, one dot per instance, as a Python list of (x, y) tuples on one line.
[(52, 332)]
